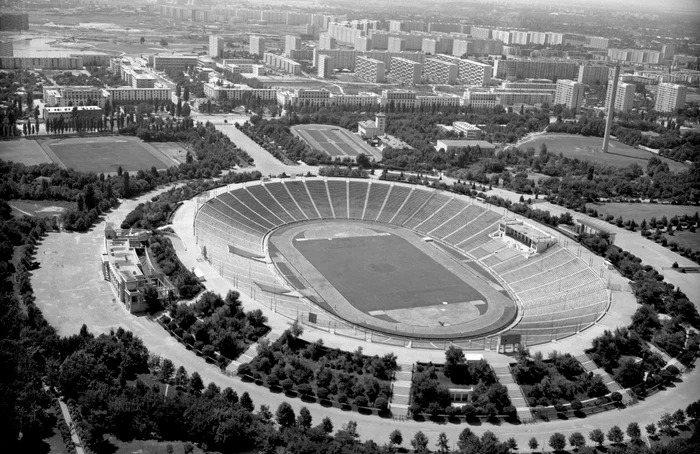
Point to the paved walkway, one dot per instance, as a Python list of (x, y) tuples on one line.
[(73, 433)]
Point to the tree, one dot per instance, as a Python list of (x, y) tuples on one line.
[(186, 110), (126, 190), (327, 425), (577, 440), (443, 443), (666, 424), (650, 429), (532, 443), (169, 449), (420, 442), (679, 417), (167, 369), (304, 419), (633, 431), (143, 40), (186, 94), (246, 402), (597, 436), (285, 415), (557, 441), (196, 383), (395, 438), (615, 434)]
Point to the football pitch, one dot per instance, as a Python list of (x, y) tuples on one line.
[(384, 273), (105, 154), (335, 141)]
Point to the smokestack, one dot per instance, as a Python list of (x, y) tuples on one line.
[(611, 109)]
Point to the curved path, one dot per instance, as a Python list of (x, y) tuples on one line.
[(71, 292)]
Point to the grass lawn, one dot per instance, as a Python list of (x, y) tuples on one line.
[(640, 211), (39, 208), (685, 239), (588, 148), (107, 154)]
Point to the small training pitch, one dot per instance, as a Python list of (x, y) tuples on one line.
[(335, 141), (105, 154)]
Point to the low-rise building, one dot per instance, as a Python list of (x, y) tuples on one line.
[(172, 61), (126, 94), (470, 131), (487, 149), (54, 113), (371, 128), (238, 92), (304, 97)]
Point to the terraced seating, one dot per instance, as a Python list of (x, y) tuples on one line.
[(447, 212), (571, 267), (415, 200), (467, 215), (338, 191), (510, 264), (377, 194), (280, 193), (437, 201), (297, 190), (583, 277), (500, 256), (539, 265), (396, 199), (487, 220), (319, 194), (357, 193), (256, 205), (245, 214), (228, 223), (270, 203)]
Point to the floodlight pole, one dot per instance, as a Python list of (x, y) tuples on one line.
[(611, 109)]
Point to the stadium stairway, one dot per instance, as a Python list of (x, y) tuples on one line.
[(586, 362), (670, 361), (401, 390), (610, 383), (248, 355), (517, 398)]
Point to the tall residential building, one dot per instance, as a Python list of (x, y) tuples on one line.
[(481, 33), (624, 98), (325, 66), (538, 37), (370, 70), (257, 45), (326, 41), (668, 51), (172, 61), (592, 74), (406, 25), (501, 35), (569, 93), (396, 44), (440, 71), (6, 49), (519, 37), (406, 71), (216, 46), (285, 64), (14, 22), (670, 97), (535, 69), (291, 43)]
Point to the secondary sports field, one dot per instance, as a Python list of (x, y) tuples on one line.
[(335, 141), (640, 211), (588, 148), (384, 272), (105, 154)]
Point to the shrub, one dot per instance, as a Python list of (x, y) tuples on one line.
[(616, 397), (305, 389), (559, 407), (469, 411), (510, 411), (287, 384), (361, 401), (322, 393), (452, 411), (244, 369), (673, 370), (382, 404), (576, 405)]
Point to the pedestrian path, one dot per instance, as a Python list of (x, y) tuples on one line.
[(517, 398), (401, 389)]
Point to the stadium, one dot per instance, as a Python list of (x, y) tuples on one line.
[(397, 264)]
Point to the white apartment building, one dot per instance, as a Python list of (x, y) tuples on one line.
[(216, 46), (291, 43), (440, 71), (325, 66), (406, 71), (73, 96), (624, 98), (257, 45), (569, 93), (670, 97), (238, 92), (370, 70), (122, 94)]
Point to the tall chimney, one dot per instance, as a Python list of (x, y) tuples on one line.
[(611, 109)]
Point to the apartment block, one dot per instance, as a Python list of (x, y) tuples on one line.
[(176, 62), (346, 58), (481, 33), (257, 45), (554, 39), (282, 63), (537, 38), (396, 44), (670, 97), (668, 51), (406, 25), (470, 72), (128, 94), (325, 66), (370, 70), (535, 69), (291, 43), (300, 96), (440, 71), (519, 37), (364, 43), (6, 49), (326, 41), (41, 63), (406, 71), (480, 99), (593, 74), (597, 42), (569, 93), (238, 92), (501, 35), (398, 98), (14, 22), (624, 98), (65, 96), (216, 46)]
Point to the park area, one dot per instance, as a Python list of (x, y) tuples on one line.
[(40, 208), (105, 154), (335, 141), (588, 148)]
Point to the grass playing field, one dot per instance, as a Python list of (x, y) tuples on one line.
[(588, 148), (640, 211), (40, 208), (106, 154), (384, 272), (335, 141)]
